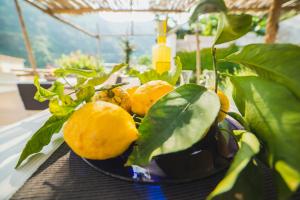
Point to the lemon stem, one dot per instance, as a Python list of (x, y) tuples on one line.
[(213, 52)]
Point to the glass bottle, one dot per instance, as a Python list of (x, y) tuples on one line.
[(161, 53)]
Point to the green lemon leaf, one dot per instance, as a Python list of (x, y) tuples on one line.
[(232, 27), (146, 76), (43, 94), (291, 175), (42, 137), (207, 6), (175, 122), (248, 185), (277, 62), (117, 68), (85, 93), (174, 77), (102, 77), (272, 113), (249, 146), (62, 72), (80, 81), (152, 74), (62, 108)]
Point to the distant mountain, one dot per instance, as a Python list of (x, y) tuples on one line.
[(51, 38)]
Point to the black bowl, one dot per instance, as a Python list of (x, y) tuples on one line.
[(211, 155)]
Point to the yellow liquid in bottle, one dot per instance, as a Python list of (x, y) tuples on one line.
[(161, 57)]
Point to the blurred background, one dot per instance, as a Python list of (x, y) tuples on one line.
[(114, 37)]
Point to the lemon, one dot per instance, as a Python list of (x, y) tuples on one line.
[(131, 90), (147, 94), (224, 101), (116, 96), (100, 130)]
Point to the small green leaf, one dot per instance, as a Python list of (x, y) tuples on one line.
[(102, 77), (249, 146), (175, 122), (42, 137), (232, 27), (272, 113), (85, 93), (80, 82), (174, 77), (152, 74), (87, 73), (207, 6), (42, 94), (61, 109), (277, 62), (146, 76), (117, 68)]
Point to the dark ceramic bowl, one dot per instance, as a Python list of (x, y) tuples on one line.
[(211, 155)]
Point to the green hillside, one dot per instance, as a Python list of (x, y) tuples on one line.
[(51, 38)]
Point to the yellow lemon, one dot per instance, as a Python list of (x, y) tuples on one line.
[(131, 90), (116, 96), (146, 95), (224, 106), (100, 130)]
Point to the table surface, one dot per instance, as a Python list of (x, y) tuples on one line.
[(66, 176)]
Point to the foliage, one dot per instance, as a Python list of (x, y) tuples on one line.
[(283, 68), (42, 137), (51, 38), (188, 59), (128, 49), (78, 60), (181, 32), (152, 74), (175, 122), (248, 147), (144, 60), (232, 27), (208, 24), (270, 107), (272, 112), (207, 6), (62, 105), (259, 24)]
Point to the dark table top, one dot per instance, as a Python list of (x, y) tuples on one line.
[(66, 176)]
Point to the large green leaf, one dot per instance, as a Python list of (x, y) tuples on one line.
[(207, 6), (249, 146), (277, 62), (42, 137), (249, 185), (272, 112), (232, 27), (175, 122)]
